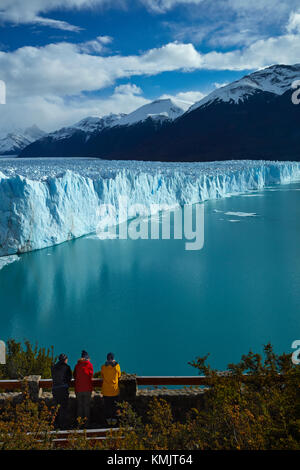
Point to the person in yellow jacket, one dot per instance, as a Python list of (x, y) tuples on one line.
[(110, 373)]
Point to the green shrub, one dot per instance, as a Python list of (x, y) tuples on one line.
[(26, 360), (257, 412), (26, 425)]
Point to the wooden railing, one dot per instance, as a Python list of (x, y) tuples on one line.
[(140, 380), (10, 384)]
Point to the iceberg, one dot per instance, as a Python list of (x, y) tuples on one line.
[(44, 202)]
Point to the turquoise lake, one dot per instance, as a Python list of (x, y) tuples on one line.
[(158, 306)]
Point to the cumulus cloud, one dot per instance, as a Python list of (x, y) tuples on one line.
[(128, 89), (49, 84), (97, 45), (63, 69), (54, 112)]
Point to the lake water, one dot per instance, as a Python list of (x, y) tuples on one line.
[(158, 306)]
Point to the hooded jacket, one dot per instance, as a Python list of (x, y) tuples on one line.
[(83, 374), (61, 375), (110, 373)]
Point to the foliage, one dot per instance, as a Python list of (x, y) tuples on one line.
[(30, 426), (253, 412), (29, 360), (260, 411), (26, 425), (256, 406)]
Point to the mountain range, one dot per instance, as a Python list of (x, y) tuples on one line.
[(251, 118), (14, 142)]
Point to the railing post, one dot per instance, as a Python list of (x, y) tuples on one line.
[(33, 386), (128, 388)]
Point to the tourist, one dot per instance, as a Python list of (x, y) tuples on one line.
[(61, 381), (83, 375), (110, 373)]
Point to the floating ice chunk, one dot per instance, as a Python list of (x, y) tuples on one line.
[(242, 214), (5, 260)]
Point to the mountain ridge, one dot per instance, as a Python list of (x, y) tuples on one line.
[(253, 117), (14, 142)]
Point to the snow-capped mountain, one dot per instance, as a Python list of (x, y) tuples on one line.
[(81, 138), (158, 110), (88, 125), (276, 79), (14, 142), (252, 118)]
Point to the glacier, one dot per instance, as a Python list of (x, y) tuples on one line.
[(44, 202)]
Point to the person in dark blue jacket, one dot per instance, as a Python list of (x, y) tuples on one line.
[(61, 381)]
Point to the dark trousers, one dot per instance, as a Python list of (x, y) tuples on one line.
[(110, 407), (84, 405), (61, 397)]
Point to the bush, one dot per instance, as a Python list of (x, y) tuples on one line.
[(26, 425), (29, 360), (255, 407), (257, 412)]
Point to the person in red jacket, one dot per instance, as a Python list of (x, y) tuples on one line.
[(83, 374)]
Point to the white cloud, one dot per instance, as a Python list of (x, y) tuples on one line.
[(220, 85), (55, 24), (162, 6), (128, 89), (30, 11), (47, 84), (63, 69), (227, 23), (97, 45), (293, 25), (185, 99), (52, 113), (282, 49)]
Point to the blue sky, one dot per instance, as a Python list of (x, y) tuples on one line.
[(62, 60)]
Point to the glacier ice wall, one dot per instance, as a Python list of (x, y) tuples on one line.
[(43, 203)]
